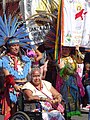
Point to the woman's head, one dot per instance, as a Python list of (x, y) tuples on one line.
[(66, 51), (87, 66), (36, 76), (13, 46), (14, 49)]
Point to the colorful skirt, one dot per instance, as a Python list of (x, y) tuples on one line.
[(53, 115), (71, 95)]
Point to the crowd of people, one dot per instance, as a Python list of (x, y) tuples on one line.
[(17, 64), (41, 78)]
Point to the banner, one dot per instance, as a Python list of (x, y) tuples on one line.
[(76, 23), (32, 10)]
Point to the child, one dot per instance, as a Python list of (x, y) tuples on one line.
[(86, 80)]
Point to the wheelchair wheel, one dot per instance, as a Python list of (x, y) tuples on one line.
[(20, 116)]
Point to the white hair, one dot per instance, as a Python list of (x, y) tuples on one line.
[(35, 69)]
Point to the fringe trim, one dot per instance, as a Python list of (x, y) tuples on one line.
[(70, 114)]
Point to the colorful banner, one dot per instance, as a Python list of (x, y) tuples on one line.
[(76, 23)]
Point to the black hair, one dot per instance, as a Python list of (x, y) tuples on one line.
[(42, 48), (87, 57)]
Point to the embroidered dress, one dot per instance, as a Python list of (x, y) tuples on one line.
[(69, 88), (48, 113), (23, 66)]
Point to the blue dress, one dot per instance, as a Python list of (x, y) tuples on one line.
[(26, 65)]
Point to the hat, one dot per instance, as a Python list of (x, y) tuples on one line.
[(11, 32), (12, 40)]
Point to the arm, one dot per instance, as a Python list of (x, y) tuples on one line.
[(39, 55), (61, 64), (44, 69), (78, 55), (29, 96), (6, 72), (56, 95)]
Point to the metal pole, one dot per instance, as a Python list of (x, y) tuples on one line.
[(4, 6)]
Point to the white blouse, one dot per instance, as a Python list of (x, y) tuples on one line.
[(44, 92)]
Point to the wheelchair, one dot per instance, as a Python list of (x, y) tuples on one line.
[(26, 114), (27, 110)]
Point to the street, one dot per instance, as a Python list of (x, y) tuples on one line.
[(84, 116)]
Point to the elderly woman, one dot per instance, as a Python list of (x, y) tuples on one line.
[(43, 91)]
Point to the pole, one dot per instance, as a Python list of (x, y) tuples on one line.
[(4, 6)]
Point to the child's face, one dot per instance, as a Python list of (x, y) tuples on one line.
[(87, 66), (66, 51)]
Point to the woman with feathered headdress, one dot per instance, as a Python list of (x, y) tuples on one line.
[(15, 65)]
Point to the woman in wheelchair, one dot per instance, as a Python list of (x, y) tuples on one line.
[(44, 92)]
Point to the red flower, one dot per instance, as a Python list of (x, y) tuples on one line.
[(9, 80)]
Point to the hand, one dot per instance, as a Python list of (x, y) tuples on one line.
[(62, 64), (58, 98), (54, 101), (49, 100), (17, 88), (77, 47)]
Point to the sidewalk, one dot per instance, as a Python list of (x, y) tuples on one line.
[(84, 116)]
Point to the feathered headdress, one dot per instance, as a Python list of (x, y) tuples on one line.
[(12, 32)]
